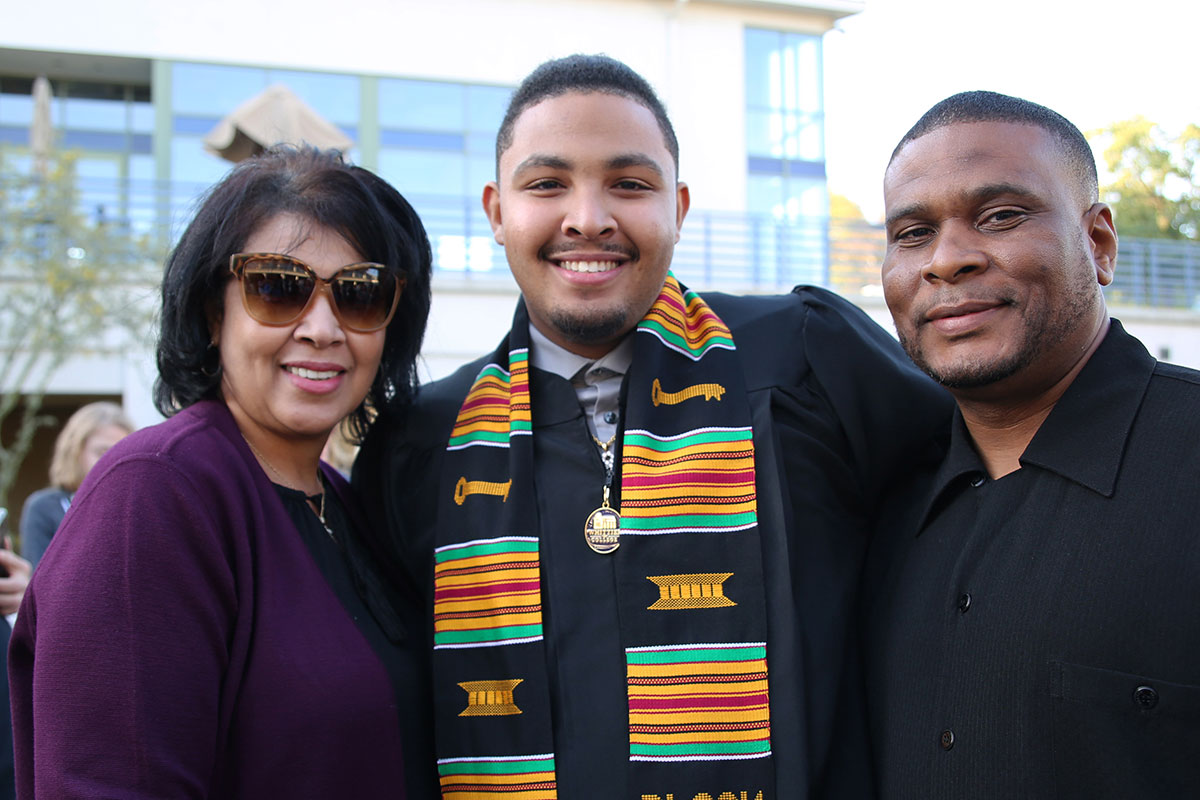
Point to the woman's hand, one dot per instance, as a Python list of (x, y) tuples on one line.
[(12, 588)]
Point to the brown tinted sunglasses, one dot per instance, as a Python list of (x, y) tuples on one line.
[(278, 290)]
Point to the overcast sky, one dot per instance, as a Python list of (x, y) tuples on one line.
[(1094, 62)]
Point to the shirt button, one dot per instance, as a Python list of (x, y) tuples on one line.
[(1145, 697), (947, 739), (977, 479), (964, 602), (611, 417)]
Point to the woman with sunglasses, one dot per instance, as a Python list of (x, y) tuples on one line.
[(216, 619)]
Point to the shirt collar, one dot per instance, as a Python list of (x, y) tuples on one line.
[(1084, 437), (546, 355)]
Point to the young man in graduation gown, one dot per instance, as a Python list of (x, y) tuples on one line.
[(639, 522), (1033, 633)]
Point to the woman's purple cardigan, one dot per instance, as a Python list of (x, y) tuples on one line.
[(178, 640)]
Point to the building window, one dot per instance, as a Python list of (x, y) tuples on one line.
[(785, 124), (785, 158), (109, 129), (203, 94), (437, 146)]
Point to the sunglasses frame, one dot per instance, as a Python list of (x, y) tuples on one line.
[(239, 261)]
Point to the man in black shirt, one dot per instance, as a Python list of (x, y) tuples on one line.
[(1033, 630)]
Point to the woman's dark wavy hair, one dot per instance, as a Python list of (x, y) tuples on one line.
[(317, 186)]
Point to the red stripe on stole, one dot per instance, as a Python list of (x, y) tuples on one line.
[(683, 479), (485, 591), (479, 402), (680, 702)]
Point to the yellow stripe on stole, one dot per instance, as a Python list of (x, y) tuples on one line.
[(680, 717), (493, 621), (493, 602), (485, 561), (749, 735), (473, 578), (702, 668)]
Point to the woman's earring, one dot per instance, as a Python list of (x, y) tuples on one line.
[(212, 356)]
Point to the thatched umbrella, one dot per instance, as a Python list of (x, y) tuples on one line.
[(275, 116)]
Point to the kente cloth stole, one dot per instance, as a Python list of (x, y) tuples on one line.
[(689, 568)]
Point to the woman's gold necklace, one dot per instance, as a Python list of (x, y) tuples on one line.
[(319, 510)]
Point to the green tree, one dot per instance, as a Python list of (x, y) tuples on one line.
[(1155, 185), (68, 285)]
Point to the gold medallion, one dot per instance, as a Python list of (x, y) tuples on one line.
[(602, 531)]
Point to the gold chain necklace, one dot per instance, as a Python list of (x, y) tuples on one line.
[(319, 510)]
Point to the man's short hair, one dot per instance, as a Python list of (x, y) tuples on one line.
[(585, 74), (982, 106)]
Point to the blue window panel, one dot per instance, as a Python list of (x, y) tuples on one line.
[(210, 89), (141, 169), (95, 115), (16, 109), (780, 134), (193, 125), (141, 143), (482, 144), (422, 140), (764, 194), (192, 164), (783, 72), (485, 108), (424, 172), (776, 166), (94, 140), (10, 135), (808, 87), (422, 105), (480, 170), (334, 97), (459, 253), (761, 46), (141, 117)]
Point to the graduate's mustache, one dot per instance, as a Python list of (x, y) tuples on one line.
[(558, 250)]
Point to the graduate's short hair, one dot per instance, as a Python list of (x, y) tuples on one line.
[(981, 106), (584, 74)]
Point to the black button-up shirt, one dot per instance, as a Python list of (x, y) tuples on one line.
[(1039, 635)]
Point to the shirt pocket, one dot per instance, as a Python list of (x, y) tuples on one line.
[(1119, 735)]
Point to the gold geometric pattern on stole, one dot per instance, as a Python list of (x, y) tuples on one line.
[(490, 698), (709, 391), (682, 592), (465, 487)]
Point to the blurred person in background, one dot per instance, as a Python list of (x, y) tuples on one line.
[(212, 622), (14, 577), (88, 434)]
